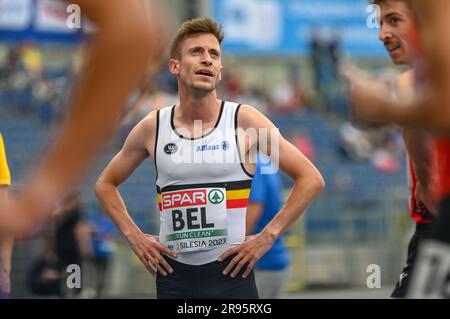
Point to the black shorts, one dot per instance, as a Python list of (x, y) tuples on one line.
[(204, 282), (433, 275), (422, 231), (441, 231)]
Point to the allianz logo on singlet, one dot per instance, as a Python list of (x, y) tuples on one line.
[(217, 147)]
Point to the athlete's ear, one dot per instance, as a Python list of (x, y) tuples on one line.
[(174, 66)]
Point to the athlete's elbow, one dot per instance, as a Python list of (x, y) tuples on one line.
[(100, 188), (317, 183)]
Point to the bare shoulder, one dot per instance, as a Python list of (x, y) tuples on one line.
[(250, 117), (150, 120), (147, 125)]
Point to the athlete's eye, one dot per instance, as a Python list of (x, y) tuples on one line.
[(394, 21), (215, 54)]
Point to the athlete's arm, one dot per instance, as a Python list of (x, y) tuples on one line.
[(434, 22), (125, 41), (432, 110), (308, 184), (135, 150)]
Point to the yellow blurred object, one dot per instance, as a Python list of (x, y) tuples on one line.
[(32, 59), (5, 176)]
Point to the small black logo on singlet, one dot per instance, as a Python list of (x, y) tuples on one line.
[(170, 148)]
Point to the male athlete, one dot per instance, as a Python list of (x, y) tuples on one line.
[(128, 35), (396, 19), (202, 149), (430, 111)]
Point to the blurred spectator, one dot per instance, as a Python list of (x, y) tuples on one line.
[(316, 54), (44, 277), (154, 93), (66, 242), (231, 86), (303, 142), (325, 59), (288, 97), (11, 65), (31, 59), (334, 53), (257, 98), (381, 146), (354, 144)]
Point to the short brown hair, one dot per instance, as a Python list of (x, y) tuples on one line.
[(195, 26)]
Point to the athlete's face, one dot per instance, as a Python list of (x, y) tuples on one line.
[(200, 65), (396, 19)]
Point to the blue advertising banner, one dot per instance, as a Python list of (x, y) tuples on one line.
[(39, 20), (284, 27)]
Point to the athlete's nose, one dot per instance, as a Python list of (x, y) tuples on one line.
[(385, 34), (207, 62)]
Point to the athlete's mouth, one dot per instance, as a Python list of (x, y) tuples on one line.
[(392, 48), (205, 72)]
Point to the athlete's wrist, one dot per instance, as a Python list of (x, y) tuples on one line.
[(271, 232), (132, 233)]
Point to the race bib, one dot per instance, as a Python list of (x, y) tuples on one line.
[(194, 219)]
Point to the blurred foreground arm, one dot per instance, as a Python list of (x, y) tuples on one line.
[(135, 150), (430, 111), (121, 50)]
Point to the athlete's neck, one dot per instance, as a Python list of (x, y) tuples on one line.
[(198, 108)]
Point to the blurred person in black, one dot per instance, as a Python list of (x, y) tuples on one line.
[(67, 241)]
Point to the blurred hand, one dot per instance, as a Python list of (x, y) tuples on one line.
[(367, 94), (252, 249), (21, 215), (149, 250)]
